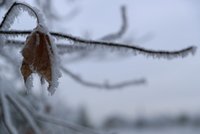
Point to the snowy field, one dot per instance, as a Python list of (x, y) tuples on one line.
[(176, 130)]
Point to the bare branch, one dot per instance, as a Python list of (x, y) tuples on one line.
[(153, 53), (122, 30), (103, 86), (117, 46), (16, 32), (10, 11), (62, 48), (15, 43), (109, 37)]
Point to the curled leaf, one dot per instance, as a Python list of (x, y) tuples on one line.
[(39, 56)]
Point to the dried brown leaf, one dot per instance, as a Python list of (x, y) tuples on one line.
[(37, 54)]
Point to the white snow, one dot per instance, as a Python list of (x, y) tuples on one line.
[(29, 83)]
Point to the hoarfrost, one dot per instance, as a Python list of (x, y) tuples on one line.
[(37, 39), (55, 63), (9, 18), (54, 59), (29, 83), (13, 12)]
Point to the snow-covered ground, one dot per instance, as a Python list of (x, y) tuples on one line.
[(175, 130)]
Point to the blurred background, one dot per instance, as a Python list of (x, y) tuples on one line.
[(168, 101)]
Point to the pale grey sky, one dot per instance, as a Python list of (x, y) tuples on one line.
[(173, 85)]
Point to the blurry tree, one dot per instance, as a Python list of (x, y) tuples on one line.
[(183, 119), (28, 114), (116, 122), (83, 118)]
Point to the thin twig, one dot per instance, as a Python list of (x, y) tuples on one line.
[(93, 43), (122, 30), (109, 37), (62, 48), (87, 83), (154, 53), (12, 7), (103, 86)]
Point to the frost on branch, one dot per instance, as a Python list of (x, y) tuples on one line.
[(39, 53), (40, 56)]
